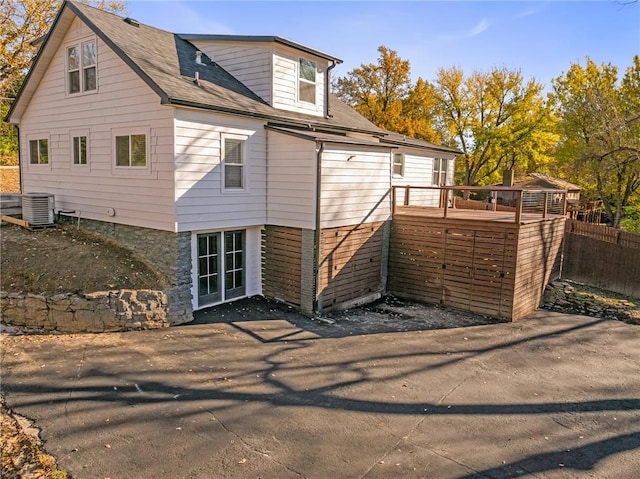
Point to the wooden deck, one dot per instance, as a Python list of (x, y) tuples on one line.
[(474, 260), (463, 215)]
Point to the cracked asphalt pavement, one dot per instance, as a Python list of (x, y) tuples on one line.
[(550, 396)]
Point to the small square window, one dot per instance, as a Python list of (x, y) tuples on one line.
[(39, 151), (131, 150)]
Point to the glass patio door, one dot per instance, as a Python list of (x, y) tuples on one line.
[(221, 267)]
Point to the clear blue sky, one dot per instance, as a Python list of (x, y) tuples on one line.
[(542, 39)]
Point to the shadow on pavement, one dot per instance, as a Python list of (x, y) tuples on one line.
[(270, 321)]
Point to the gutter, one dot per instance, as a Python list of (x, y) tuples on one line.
[(327, 113), (316, 259)]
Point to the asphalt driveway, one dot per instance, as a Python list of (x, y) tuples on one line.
[(551, 396)]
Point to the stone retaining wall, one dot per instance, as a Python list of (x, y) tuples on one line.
[(169, 252), (102, 311)]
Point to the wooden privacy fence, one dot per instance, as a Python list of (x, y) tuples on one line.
[(602, 257), (603, 233)]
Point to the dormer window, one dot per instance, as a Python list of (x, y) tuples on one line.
[(81, 68), (307, 81)]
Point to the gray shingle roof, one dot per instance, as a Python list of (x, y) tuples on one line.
[(167, 63)]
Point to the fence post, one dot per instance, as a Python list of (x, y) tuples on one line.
[(545, 206), (519, 207)]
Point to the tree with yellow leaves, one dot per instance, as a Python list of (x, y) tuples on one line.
[(600, 131), (383, 94), (498, 121)]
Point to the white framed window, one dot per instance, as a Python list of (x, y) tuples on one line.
[(39, 151), (307, 81), (79, 149), (440, 166), (234, 162), (81, 68), (398, 164), (131, 150)]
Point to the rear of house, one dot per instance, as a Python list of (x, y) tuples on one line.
[(223, 159)]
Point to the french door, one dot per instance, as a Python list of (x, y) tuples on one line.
[(221, 266)]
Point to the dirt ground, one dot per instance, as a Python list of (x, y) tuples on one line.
[(66, 259)]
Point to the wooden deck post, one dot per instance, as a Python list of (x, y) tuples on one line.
[(519, 207), (393, 201), (445, 193), (564, 204), (407, 190), (545, 206)]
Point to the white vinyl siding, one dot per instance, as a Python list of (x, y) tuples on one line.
[(250, 63), (291, 175), (286, 66), (356, 186), (123, 102), (418, 171), (253, 262), (201, 200)]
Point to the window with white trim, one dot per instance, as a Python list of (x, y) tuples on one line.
[(131, 150), (233, 163), (39, 151), (79, 150), (307, 81), (398, 164), (81, 68), (440, 166)]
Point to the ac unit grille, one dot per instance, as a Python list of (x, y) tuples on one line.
[(37, 208)]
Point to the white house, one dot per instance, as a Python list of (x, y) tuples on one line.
[(223, 159)]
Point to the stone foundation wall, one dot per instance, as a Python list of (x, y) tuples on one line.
[(168, 252), (103, 311)]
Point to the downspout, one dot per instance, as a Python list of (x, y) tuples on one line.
[(316, 259), (326, 90), (19, 161)]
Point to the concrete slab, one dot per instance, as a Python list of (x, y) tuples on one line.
[(551, 396)]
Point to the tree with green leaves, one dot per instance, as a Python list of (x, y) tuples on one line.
[(498, 121), (600, 131)]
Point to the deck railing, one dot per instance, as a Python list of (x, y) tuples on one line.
[(544, 202)]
